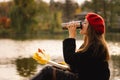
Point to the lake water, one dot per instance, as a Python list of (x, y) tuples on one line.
[(11, 49)]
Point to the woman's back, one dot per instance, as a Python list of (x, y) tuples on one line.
[(85, 64), (92, 69)]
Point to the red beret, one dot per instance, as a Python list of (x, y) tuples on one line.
[(97, 22)]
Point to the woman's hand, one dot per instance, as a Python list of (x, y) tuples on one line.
[(72, 29)]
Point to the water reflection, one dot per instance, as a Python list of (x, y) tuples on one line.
[(116, 67), (26, 67)]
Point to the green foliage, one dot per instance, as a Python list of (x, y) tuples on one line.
[(44, 15), (26, 66), (22, 16), (29, 18), (49, 17), (69, 10), (109, 9), (55, 22), (5, 33), (33, 18)]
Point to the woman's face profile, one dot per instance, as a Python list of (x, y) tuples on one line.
[(84, 27)]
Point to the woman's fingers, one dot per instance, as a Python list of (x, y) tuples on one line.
[(72, 24), (72, 29)]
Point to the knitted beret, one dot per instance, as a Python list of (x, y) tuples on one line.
[(97, 22)]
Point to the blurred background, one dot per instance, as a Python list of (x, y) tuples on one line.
[(26, 25)]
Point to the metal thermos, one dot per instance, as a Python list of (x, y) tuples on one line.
[(79, 23)]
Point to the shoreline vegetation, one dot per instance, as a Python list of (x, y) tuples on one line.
[(114, 37), (36, 19)]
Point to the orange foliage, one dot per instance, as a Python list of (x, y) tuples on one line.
[(5, 22)]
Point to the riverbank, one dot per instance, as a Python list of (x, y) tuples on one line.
[(58, 36)]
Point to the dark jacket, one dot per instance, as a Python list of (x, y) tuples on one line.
[(86, 66)]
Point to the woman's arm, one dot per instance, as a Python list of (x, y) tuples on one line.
[(69, 44), (69, 47)]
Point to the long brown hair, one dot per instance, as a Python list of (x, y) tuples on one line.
[(95, 40)]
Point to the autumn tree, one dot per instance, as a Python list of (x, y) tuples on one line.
[(69, 10), (22, 16), (108, 9)]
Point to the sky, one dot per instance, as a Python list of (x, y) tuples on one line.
[(4, 0), (78, 1)]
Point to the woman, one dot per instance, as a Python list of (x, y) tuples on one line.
[(90, 61)]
